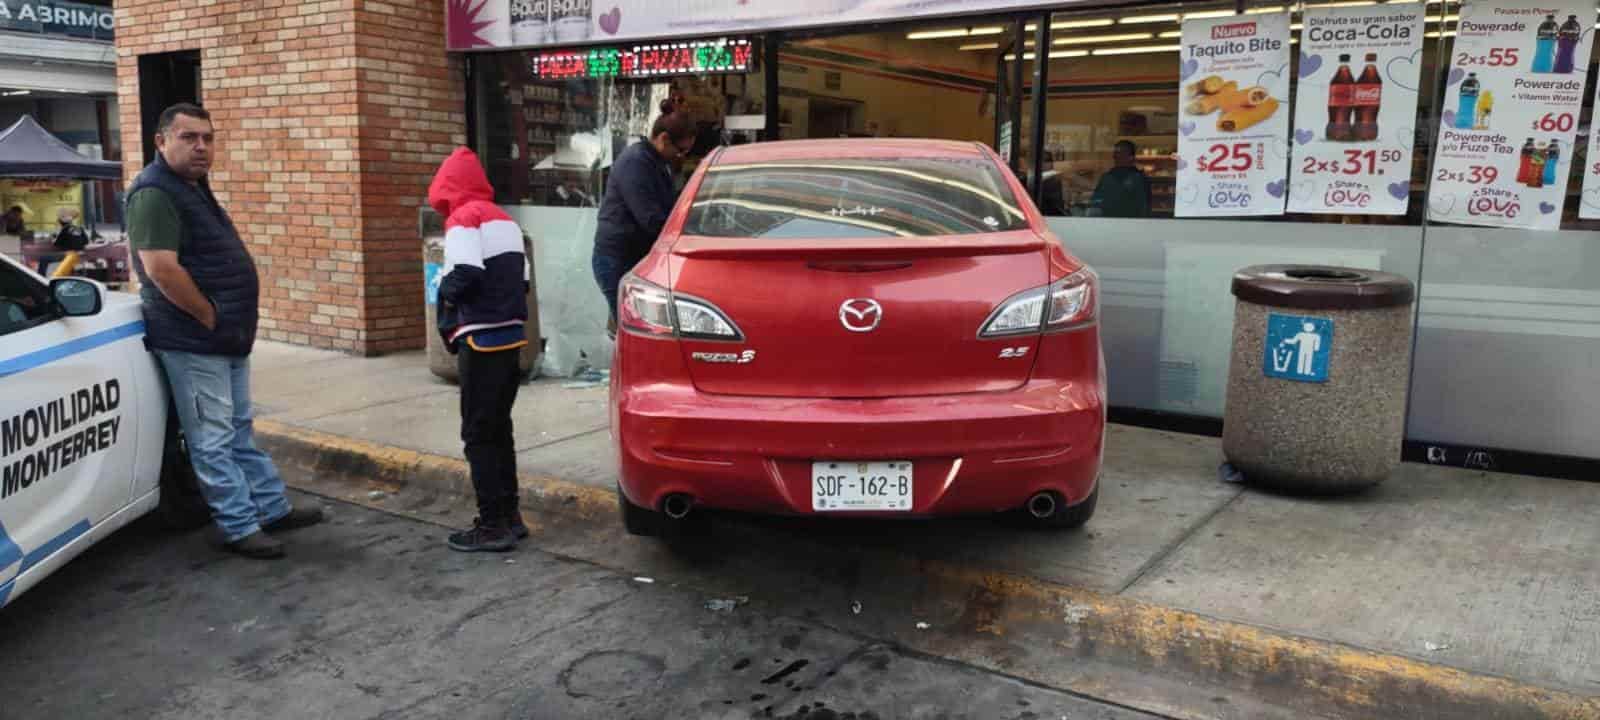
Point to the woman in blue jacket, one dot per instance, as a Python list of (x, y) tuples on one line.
[(639, 196)]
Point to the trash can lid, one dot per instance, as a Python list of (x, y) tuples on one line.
[(1321, 287)]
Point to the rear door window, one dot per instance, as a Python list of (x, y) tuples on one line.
[(854, 198)]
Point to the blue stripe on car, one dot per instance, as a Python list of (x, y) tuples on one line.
[(9, 552), (41, 553), (23, 363)]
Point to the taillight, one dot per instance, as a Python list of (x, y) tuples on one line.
[(653, 310), (1068, 303)]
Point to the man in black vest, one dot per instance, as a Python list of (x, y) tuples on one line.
[(199, 287)]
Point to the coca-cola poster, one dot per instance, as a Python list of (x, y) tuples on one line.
[(1233, 126), (1518, 72), (1356, 109)]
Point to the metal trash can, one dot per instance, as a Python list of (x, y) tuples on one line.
[(431, 227), (1318, 380)]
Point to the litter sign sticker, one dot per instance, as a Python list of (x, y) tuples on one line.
[(431, 279), (1297, 348)]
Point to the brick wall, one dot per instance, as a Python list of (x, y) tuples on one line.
[(331, 117)]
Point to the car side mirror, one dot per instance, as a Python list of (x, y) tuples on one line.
[(78, 297)]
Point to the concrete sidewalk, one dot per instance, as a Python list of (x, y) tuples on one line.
[(1438, 570)]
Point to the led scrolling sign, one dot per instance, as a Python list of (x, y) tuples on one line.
[(644, 61)]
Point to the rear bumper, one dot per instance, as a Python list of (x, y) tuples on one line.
[(972, 453)]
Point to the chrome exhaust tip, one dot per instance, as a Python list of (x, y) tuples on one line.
[(677, 506), (1042, 505)]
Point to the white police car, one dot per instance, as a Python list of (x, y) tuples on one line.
[(86, 444)]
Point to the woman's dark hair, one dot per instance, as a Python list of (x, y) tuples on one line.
[(675, 122)]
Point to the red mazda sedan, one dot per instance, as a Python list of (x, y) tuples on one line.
[(879, 328)]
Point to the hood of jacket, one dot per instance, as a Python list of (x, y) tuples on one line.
[(460, 181)]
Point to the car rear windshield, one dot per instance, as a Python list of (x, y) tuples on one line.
[(854, 198)]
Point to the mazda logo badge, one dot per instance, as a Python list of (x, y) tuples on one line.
[(860, 315)]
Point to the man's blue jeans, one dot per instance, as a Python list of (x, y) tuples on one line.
[(238, 481)]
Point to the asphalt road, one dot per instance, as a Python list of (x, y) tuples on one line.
[(372, 617)]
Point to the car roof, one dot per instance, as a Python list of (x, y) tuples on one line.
[(852, 148)]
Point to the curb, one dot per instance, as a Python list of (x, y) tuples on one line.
[(1313, 677)]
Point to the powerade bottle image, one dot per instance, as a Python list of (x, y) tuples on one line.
[(1551, 158), (1567, 44), (1544, 54), (1467, 106)]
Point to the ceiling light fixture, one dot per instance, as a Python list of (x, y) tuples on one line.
[(1137, 19), (1054, 55), (954, 32), (936, 34), (1103, 38), (1137, 50), (1070, 24)]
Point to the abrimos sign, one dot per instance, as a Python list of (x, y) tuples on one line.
[(89, 22)]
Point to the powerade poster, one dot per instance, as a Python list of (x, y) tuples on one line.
[(1355, 109), (1233, 128), (1511, 104)]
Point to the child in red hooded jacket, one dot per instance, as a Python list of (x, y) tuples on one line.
[(482, 308)]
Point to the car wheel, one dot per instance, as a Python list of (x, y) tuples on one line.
[(182, 507), (637, 520), (1064, 518)]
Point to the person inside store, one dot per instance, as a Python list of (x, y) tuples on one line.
[(638, 198), (12, 223), (1124, 191)]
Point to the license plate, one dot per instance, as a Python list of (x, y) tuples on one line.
[(844, 486)]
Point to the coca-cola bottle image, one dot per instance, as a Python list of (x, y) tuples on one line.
[(1366, 96), (1552, 157), (1526, 166), (1467, 103), (1544, 52), (572, 19), (1567, 44), (530, 22), (1341, 91)]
